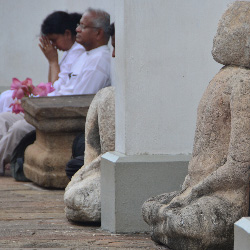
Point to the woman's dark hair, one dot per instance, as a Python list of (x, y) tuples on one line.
[(59, 21)]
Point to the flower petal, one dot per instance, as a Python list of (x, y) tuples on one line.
[(15, 84)]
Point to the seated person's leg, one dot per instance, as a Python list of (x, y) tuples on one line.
[(74, 165), (17, 156), (7, 119), (77, 160), (10, 140)]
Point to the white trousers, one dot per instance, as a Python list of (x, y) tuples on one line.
[(13, 128)]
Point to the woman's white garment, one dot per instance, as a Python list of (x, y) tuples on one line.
[(89, 73), (13, 126), (68, 58)]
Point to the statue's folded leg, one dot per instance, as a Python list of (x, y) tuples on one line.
[(150, 208), (82, 195), (195, 226)]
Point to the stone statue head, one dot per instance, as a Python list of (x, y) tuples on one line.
[(231, 45)]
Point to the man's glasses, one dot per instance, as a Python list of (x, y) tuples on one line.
[(83, 27)]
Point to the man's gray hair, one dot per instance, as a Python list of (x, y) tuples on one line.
[(101, 20)]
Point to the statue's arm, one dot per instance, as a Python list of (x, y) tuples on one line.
[(235, 172), (106, 119)]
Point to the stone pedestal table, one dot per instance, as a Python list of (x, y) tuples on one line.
[(57, 121)]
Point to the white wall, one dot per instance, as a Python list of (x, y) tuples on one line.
[(20, 22), (163, 65)]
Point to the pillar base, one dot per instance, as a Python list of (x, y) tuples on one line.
[(128, 181), (242, 234), (45, 160)]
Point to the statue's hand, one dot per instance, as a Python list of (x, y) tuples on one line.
[(185, 198), (175, 204)]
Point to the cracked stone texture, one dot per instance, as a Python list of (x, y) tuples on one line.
[(215, 192), (232, 42), (57, 120), (82, 195)]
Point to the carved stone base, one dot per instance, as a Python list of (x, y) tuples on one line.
[(57, 120), (45, 160)]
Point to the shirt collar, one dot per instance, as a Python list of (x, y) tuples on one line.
[(103, 47)]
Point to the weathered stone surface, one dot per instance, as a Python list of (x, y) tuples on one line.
[(232, 41), (57, 114), (82, 195), (57, 120), (215, 192)]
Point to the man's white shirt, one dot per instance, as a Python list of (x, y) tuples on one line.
[(89, 73), (68, 59)]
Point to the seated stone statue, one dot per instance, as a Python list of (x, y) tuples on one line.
[(215, 192), (82, 195)]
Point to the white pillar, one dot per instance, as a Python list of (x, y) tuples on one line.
[(163, 64)]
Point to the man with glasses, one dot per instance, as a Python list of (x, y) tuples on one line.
[(89, 73)]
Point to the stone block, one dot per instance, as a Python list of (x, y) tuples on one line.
[(127, 181), (242, 234), (57, 120)]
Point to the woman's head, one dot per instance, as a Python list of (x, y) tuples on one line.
[(60, 27)]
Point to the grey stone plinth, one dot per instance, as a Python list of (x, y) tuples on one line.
[(57, 120), (57, 114), (127, 181), (242, 234)]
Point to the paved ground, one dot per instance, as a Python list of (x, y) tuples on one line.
[(33, 218)]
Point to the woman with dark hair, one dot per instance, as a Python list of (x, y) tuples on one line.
[(57, 32)]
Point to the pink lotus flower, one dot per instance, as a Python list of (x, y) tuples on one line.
[(17, 87), (16, 107), (21, 89), (15, 84), (43, 89), (26, 88)]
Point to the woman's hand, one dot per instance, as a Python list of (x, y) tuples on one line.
[(51, 54), (48, 50)]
